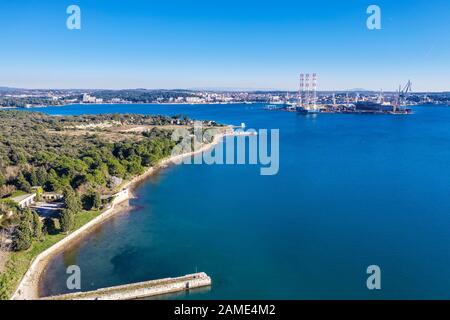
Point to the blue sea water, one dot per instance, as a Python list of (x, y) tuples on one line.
[(352, 191)]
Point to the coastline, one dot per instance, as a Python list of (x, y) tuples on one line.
[(138, 103), (28, 287)]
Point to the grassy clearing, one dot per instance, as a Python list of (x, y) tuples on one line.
[(19, 262), (18, 193)]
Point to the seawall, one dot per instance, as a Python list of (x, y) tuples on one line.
[(141, 289)]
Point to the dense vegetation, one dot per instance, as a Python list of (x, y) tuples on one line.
[(43, 99), (141, 96), (38, 150), (76, 155), (20, 102), (56, 153)]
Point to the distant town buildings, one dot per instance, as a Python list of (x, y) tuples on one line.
[(195, 100), (91, 99), (27, 98)]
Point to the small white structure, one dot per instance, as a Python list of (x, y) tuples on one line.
[(52, 196), (194, 100), (118, 197), (25, 200), (121, 196)]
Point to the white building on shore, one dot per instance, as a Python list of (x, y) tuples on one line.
[(25, 200), (90, 99)]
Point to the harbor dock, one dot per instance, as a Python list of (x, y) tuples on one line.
[(142, 289)]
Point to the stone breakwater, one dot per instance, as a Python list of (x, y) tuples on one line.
[(141, 289)]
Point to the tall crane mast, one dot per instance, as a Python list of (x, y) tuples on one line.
[(402, 94)]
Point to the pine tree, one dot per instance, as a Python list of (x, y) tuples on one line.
[(41, 176), (22, 183), (67, 220), (52, 182), (33, 178), (96, 200), (23, 239), (37, 226), (27, 216), (72, 201)]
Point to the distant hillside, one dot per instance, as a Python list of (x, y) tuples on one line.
[(9, 89), (359, 90)]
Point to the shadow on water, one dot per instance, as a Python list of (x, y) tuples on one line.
[(189, 294)]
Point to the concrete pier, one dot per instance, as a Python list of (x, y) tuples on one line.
[(141, 289)]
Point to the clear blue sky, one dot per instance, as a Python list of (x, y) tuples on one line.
[(216, 43)]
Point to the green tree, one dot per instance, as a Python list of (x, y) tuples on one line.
[(27, 216), (72, 201), (67, 220), (135, 165), (41, 176), (96, 200), (92, 200), (115, 167), (22, 183), (99, 177), (37, 226), (32, 178), (24, 231), (17, 156), (39, 192), (52, 183)]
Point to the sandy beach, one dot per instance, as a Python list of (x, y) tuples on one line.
[(28, 288)]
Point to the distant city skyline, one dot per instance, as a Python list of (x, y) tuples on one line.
[(250, 45), (225, 89)]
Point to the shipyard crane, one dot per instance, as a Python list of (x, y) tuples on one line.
[(402, 94), (380, 98)]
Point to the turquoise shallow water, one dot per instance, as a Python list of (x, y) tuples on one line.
[(353, 190)]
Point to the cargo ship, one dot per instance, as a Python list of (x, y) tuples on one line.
[(363, 107), (301, 110), (376, 107)]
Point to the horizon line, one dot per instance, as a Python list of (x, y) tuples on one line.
[(211, 89)]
